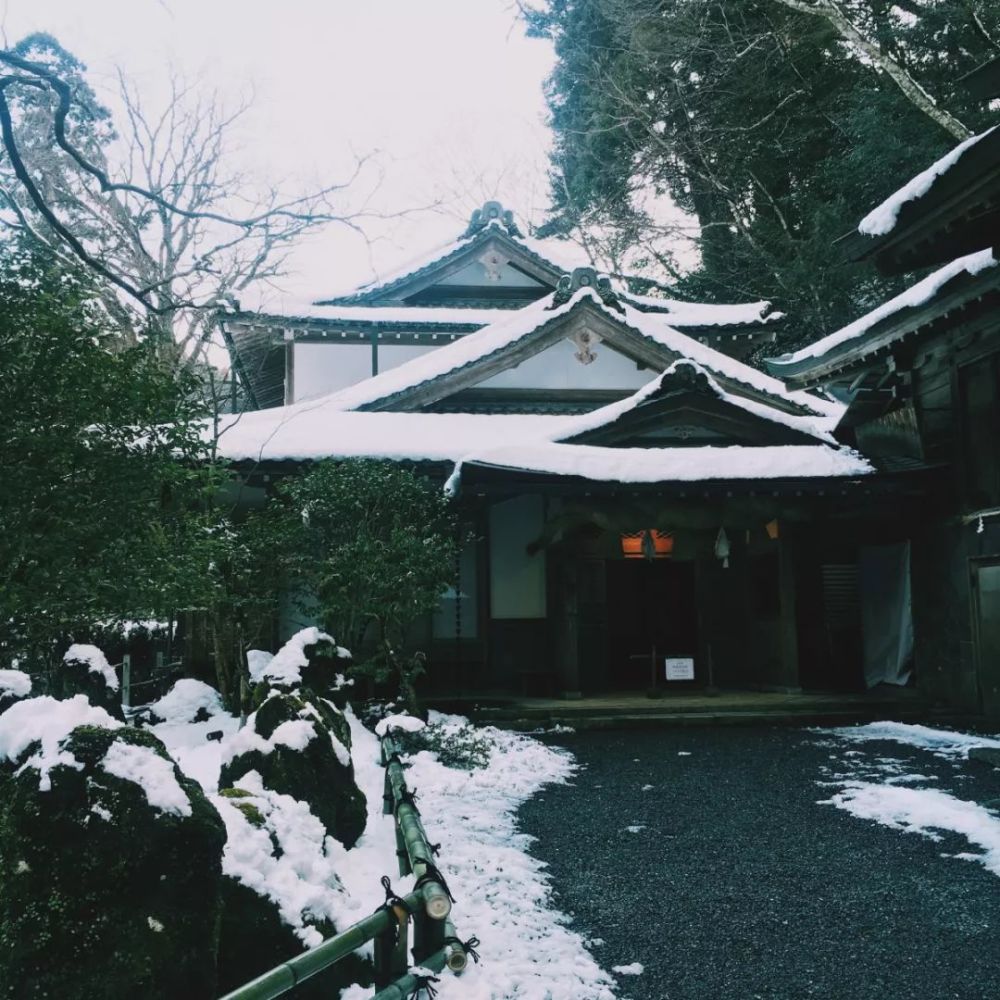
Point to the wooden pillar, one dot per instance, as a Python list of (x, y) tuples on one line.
[(566, 617)]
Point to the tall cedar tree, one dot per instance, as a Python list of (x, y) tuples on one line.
[(104, 490), (759, 121)]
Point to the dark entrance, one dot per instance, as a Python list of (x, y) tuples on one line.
[(987, 580), (651, 607)]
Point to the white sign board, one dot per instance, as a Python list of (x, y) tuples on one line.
[(679, 668)]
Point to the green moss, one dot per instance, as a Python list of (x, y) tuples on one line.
[(235, 793), (251, 812), (99, 909)]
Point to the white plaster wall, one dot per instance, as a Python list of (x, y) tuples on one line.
[(557, 368), (517, 580)]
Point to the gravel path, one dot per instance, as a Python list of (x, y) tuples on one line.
[(735, 883)]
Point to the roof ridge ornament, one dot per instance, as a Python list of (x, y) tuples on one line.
[(586, 277), (492, 211)]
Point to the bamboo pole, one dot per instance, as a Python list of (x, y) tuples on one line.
[(455, 955), (296, 970), (437, 902)]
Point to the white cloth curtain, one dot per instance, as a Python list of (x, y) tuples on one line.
[(886, 615)]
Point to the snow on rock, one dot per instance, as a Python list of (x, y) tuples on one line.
[(944, 743), (257, 661), (925, 811), (882, 219), (504, 895), (95, 661), (15, 683), (153, 773), (189, 700), (284, 669), (187, 740), (48, 722), (285, 856), (915, 295), (300, 749), (403, 723)]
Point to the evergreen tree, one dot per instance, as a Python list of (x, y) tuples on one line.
[(758, 119), (103, 488)]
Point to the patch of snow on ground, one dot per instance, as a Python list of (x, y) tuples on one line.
[(185, 699), (502, 893), (635, 969), (925, 811), (48, 722), (96, 661), (941, 742), (15, 682), (151, 772), (404, 723)]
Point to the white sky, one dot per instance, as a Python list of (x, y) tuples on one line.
[(448, 91)]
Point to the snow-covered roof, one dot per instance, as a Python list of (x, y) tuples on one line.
[(557, 255), (881, 221), (656, 465), (392, 315), (682, 314), (916, 295), (520, 323), (312, 431), (819, 427)]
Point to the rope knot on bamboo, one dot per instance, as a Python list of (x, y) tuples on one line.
[(431, 874), (469, 946), (424, 983)]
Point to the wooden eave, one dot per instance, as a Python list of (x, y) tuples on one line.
[(484, 478), (617, 334), (965, 299), (959, 214)]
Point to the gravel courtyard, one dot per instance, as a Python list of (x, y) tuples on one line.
[(704, 855)]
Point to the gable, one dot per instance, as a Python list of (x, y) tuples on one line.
[(690, 418)]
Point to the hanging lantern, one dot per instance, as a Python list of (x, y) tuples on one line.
[(647, 544), (722, 547)]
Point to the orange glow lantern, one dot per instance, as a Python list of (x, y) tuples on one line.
[(647, 544)]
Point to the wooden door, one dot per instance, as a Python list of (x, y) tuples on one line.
[(987, 584)]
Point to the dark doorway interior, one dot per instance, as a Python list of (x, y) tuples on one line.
[(987, 581), (651, 604)]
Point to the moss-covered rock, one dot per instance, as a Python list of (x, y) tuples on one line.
[(301, 749), (84, 670), (110, 880), (253, 939), (311, 660)]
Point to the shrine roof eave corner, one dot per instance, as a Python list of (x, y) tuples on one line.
[(968, 284), (951, 213)]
